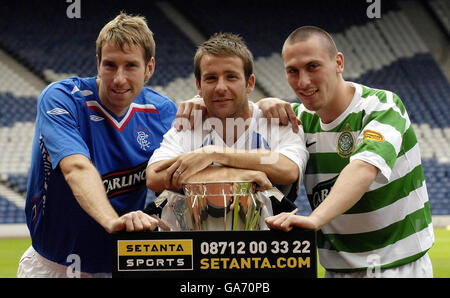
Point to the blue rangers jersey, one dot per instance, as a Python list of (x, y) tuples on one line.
[(71, 120)]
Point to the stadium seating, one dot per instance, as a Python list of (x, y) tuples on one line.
[(386, 53), (441, 8), (10, 213), (69, 49)]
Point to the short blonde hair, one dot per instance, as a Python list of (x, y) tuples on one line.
[(126, 30), (224, 44)]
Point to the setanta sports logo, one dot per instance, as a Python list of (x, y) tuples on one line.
[(155, 255), (210, 254)]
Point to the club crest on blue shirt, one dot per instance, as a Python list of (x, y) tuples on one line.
[(142, 137)]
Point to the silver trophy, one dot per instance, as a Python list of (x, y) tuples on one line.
[(215, 206)]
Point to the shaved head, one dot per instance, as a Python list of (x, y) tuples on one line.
[(306, 32)]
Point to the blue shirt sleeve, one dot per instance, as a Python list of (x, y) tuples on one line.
[(167, 114), (59, 112)]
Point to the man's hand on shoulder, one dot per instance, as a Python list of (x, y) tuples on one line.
[(275, 108), (190, 114)]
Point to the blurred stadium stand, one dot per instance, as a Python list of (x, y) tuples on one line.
[(386, 53)]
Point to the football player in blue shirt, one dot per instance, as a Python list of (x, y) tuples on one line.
[(93, 138)]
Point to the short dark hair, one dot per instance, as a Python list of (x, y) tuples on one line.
[(305, 32), (224, 44)]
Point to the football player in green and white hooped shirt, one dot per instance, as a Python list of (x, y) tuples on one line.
[(364, 178)]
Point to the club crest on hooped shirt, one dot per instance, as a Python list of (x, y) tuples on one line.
[(345, 142), (142, 137)]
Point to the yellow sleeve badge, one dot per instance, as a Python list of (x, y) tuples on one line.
[(373, 136)]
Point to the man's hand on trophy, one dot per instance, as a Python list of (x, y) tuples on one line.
[(260, 178), (180, 168), (222, 173), (286, 221), (190, 114), (133, 222)]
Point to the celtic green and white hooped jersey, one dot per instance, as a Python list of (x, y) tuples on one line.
[(391, 224)]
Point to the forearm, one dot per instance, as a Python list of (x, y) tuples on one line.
[(221, 173), (214, 173), (278, 168), (172, 173), (157, 181), (87, 187), (351, 185)]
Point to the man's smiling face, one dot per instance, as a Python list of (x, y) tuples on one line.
[(122, 75)]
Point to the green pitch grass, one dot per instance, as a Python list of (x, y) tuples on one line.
[(12, 249), (440, 253)]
